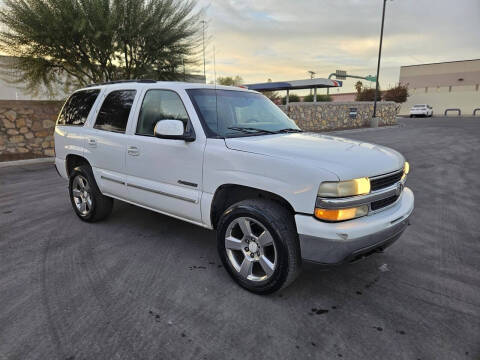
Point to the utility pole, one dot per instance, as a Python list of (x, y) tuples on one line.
[(312, 73), (203, 42), (378, 64)]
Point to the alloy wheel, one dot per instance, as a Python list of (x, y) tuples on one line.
[(250, 249), (81, 194)]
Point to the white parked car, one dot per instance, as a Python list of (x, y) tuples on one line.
[(229, 159), (421, 110)]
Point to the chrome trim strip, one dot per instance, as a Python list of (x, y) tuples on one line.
[(163, 193), (387, 174), (112, 180), (353, 201)]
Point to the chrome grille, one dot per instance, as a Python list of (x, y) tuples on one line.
[(376, 205), (380, 182)]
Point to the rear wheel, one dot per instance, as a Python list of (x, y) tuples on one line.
[(258, 245), (87, 201)]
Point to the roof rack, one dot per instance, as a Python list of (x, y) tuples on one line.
[(149, 81)]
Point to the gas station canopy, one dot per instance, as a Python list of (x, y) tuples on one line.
[(295, 85)]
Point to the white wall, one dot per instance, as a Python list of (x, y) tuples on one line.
[(17, 91), (466, 98)]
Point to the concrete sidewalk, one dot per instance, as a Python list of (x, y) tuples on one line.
[(27, 162)]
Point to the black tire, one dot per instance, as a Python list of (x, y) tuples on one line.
[(281, 225), (101, 205), (411, 116)]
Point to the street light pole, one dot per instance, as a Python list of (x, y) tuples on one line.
[(378, 64), (312, 74)]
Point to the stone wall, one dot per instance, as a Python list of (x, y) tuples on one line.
[(26, 127), (325, 116)]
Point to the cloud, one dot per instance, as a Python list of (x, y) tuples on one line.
[(283, 39)]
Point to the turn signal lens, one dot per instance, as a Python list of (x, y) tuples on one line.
[(353, 187), (341, 214)]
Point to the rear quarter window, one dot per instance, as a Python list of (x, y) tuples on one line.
[(77, 107)]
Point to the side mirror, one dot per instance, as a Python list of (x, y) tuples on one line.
[(172, 129)]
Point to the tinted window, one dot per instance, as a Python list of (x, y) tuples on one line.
[(77, 108), (113, 115), (228, 113), (160, 105)]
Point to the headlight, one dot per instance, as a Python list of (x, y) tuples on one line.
[(344, 188), (341, 214), (406, 170)]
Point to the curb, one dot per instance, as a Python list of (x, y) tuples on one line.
[(27, 162)]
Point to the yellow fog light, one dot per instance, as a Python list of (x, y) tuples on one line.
[(353, 187), (341, 214)]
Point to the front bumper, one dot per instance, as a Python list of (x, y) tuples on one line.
[(333, 243)]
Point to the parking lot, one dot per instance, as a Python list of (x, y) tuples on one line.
[(145, 286)]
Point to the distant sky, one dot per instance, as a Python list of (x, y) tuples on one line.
[(283, 39)]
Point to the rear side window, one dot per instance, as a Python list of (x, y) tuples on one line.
[(160, 105), (113, 115), (78, 106)]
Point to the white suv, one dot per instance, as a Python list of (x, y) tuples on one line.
[(229, 159)]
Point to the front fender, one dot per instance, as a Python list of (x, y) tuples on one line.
[(296, 182)]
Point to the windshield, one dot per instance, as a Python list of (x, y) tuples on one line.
[(230, 113)]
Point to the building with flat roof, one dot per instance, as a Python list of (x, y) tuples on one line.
[(10, 90), (444, 85)]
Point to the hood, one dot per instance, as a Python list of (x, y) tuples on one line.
[(348, 159)]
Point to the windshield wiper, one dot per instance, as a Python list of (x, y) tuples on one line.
[(288, 130), (250, 130)]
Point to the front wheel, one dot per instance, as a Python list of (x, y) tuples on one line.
[(258, 245), (87, 201)]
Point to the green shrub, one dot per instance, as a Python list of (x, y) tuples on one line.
[(367, 95), (398, 94), (323, 97), (292, 98)]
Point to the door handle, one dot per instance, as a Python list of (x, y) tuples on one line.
[(92, 142), (133, 151)]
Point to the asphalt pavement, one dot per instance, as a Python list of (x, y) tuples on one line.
[(141, 285)]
